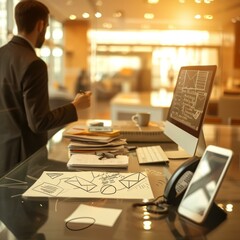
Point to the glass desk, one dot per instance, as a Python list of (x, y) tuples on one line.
[(44, 218)]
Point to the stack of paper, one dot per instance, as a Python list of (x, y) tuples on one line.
[(91, 148)]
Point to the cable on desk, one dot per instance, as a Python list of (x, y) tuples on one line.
[(79, 229), (156, 206)]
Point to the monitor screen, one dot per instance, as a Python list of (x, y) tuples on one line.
[(190, 100)]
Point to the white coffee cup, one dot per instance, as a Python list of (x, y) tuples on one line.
[(141, 119)]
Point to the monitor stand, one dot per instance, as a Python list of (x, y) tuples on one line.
[(201, 146), (182, 154)]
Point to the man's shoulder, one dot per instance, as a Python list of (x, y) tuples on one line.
[(19, 53), (19, 44)]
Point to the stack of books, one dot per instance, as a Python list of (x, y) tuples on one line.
[(96, 149)]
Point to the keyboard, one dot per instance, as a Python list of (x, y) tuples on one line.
[(151, 154)]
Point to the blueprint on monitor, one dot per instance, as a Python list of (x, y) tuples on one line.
[(91, 184), (191, 94)]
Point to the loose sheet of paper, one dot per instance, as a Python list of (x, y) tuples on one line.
[(91, 184), (102, 216)]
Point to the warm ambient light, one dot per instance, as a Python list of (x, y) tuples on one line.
[(147, 225), (72, 17), (45, 52), (198, 1), (85, 15), (229, 207), (58, 136), (197, 16), (152, 1), (235, 19), (57, 52), (118, 14), (47, 34), (162, 98), (99, 3), (107, 25), (148, 15), (69, 3), (208, 1), (98, 15), (204, 1), (167, 37), (208, 17), (57, 34)]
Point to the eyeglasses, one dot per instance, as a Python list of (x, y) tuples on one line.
[(106, 155)]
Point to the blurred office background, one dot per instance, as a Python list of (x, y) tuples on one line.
[(113, 47)]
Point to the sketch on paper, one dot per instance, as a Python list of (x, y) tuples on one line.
[(91, 184)]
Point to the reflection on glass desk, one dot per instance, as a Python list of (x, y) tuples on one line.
[(44, 218)]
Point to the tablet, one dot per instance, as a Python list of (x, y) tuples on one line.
[(203, 187)]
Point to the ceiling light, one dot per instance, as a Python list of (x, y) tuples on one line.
[(208, 17), (72, 17), (205, 1), (197, 16), (208, 1), (85, 15), (152, 1), (148, 15), (98, 15)]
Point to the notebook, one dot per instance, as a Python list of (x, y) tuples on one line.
[(90, 160)]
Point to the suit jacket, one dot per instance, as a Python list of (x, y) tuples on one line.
[(25, 116)]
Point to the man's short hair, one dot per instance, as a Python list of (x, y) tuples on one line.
[(28, 13)]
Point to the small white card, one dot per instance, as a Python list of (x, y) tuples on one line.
[(101, 216)]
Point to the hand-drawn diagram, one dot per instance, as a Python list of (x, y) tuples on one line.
[(190, 97), (91, 184)]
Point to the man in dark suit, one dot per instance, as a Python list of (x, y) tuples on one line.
[(25, 116)]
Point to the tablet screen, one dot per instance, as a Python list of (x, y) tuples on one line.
[(204, 185)]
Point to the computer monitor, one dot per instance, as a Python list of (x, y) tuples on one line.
[(186, 113)]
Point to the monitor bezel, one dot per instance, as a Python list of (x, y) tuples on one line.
[(180, 125)]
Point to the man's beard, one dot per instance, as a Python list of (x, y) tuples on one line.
[(40, 39)]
